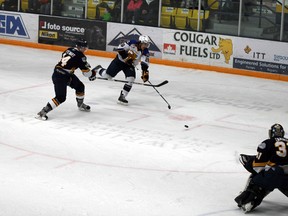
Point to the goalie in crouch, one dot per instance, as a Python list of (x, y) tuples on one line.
[(130, 54), (269, 170)]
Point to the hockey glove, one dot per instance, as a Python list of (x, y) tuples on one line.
[(93, 76), (145, 76), (131, 56), (247, 162)]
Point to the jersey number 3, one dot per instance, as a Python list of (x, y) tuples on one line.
[(282, 150)]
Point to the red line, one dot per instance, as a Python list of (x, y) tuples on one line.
[(24, 88), (118, 166), (24, 156), (65, 164)]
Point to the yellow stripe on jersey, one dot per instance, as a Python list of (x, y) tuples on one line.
[(85, 70), (259, 164), (271, 163)]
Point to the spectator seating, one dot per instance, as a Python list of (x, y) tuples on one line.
[(166, 2), (167, 16), (103, 8), (193, 19), (213, 4), (24, 5), (181, 18), (98, 6), (91, 9)]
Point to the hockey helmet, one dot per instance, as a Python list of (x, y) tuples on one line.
[(144, 39), (276, 131), (81, 43)]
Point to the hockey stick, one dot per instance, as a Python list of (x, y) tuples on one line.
[(169, 107), (137, 83)]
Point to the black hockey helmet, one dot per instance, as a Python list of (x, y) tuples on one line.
[(276, 131), (81, 43)]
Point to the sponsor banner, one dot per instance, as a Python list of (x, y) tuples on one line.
[(116, 33), (198, 48), (65, 32), (261, 55), (18, 26), (260, 66)]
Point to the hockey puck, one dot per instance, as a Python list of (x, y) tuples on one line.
[(186, 126)]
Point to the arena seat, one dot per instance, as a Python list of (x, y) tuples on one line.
[(166, 2), (167, 16), (93, 5), (193, 19), (213, 4), (181, 18), (24, 5)]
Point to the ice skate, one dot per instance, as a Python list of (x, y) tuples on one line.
[(84, 107), (42, 115), (97, 69), (247, 207), (122, 99)]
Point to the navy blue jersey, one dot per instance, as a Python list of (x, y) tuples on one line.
[(72, 59), (272, 152)]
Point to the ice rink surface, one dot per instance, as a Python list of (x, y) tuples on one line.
[(136, 160)]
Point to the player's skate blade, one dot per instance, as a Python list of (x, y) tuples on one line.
[(42, 115), (85, 108), (43, 118), (122, 100), (247, 207)]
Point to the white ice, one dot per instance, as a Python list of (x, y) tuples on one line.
[(136, 160)]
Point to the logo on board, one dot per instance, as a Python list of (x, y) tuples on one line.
[(13, 25)]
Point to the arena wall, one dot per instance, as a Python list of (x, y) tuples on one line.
[(221, 53)]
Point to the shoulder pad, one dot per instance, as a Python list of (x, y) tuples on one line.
[(262, 145), (146, 52), (123, 46), (132, 42), (282, 139)]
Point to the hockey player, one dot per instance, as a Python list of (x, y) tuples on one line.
[(269, 170), (128, 57), (64, 76)]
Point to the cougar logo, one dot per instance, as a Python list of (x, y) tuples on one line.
[(225, 47)]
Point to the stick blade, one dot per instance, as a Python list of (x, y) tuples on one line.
[(162, 83)]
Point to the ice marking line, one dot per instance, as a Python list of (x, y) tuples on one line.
[(65, 164), (218, 212), (24, 156), (224, 119), (142, 116), (117, 166), (24, 88), (231, 128), (182, 117), (219, 126)]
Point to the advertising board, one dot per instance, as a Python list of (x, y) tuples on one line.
[(19, 26), (261, 55), (66, 31), (198, 48), (168, 44), (116, 33)]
